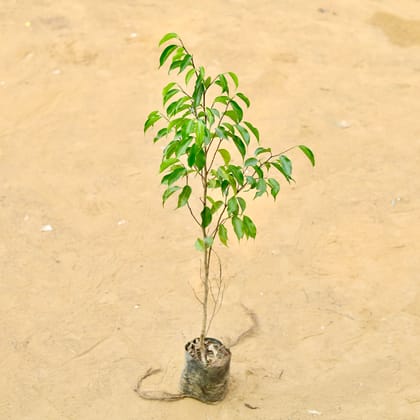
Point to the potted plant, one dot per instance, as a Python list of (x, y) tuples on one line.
[(209, 170)]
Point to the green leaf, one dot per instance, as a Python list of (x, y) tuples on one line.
[(223, 174), (249, 228), (237, 173), (253, 129), (167, 163), (199, 133), (166, 53), (210, 117), (244, 133), (237, 227), (251, 162), (191, 155), (251, 181), (225, 155), (206, 217), (199, 245), (221, 133), (261, 187), (232, 115), (167, 37), (216, 206), (186, 61), (223, 235), (222, 82), (234, 78), (177, 106), (208, 241), (239, 145), (170, 149), (275, 187), (286, 164), (198, 93), (168, 192), (237, 109), (162, 132), (187, 128), (151, 119), (215, 112), (259, 171), (167, 88), (222, 99), (233, 207), (175, 64), (173, 176), (189, 74), (183, 146), (184, 196), (242, 203), (260, 150), (229, 127), (200, 159), (169, 95), (308, 152), (244, 98)]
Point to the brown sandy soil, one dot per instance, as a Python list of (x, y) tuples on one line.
[(334, 273)]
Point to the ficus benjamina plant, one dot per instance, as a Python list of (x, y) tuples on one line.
[(212, 159)]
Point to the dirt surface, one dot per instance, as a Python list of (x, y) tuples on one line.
[(90, 304)]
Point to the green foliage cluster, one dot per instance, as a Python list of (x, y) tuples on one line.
[(207, 138)]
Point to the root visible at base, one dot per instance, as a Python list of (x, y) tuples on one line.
[(167, 396), (156, 395)]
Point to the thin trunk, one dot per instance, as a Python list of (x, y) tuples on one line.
[(203, 350)]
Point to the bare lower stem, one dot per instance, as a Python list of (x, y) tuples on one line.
[(203, 351)]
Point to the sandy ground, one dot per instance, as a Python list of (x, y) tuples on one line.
[(333, 276)]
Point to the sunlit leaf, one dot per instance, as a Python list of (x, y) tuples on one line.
[(223, 235), (261, 187), (249, 228), (222, 82), (167, 37), (189, 74), (251, 162), (308, 152), (184, 196), (239, 145), (234, 78), (242, 203), (244, 98), (173, 176), (167, 163), (274, 186), (253, 129), (225, 155), (153, 117), (237, 227), (238, 110), (199, 245), (168, 192), (166, 53), (200, 159), (244, 133), (206, 217), (260, 150)]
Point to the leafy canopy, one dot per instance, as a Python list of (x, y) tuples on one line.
[(207, 138)]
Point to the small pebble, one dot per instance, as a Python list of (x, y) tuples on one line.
[(47, 228), (343, 124), (314, 412)]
